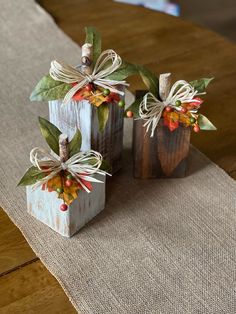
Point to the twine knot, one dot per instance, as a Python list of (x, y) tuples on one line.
[(90, 78), (64, 166)]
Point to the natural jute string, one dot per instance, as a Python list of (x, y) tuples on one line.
[(108, 62), (151, 108), (79, 166)]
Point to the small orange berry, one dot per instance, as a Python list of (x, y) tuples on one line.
[(196, 128), (129, 114)]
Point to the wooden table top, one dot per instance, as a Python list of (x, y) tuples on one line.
[(163, 44)]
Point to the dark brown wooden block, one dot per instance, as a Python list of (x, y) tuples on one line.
[(163, 155), (109, 142)]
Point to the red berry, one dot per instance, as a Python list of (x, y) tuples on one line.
[(89, 87), (109, 99), (129, 114), (196, 128), (168, 109), (183, 110), (63, 207), (68, 183)]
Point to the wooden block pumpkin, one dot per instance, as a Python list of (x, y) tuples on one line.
[(162, 127), (45, 206), (89, 97), (65, 187)]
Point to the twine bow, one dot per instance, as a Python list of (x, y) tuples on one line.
[(108, 62), (78, 166), (151, 108)]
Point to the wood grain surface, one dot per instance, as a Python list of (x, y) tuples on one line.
[(164, 44), (162, 156), (84, 116)]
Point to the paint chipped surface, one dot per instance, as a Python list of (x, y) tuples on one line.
[(83, 116), (44, 206)]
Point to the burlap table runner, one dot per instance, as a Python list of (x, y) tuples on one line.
[(160, 246)]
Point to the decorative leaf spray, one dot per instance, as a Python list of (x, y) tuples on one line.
[(180, 107), (67, 170), (103, 84)]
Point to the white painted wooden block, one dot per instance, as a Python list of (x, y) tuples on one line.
[(45, 206), (83, 116)]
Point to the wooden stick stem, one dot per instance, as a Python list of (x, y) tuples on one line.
[(87, 58), (63, 147), (164, 85)]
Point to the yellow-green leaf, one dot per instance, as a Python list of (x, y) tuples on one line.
[(149, 79), (94, 38), (204, 123), (201, 84), (134, 107), (75, 143), (125, 70), (103, 114), (49, 89), (128, 69), (51, 134), (105, 166), (32, 175)]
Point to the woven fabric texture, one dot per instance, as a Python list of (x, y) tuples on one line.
[(160, 246)]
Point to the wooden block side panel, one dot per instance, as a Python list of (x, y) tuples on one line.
[(163, 155), (72, 116), (44, 206), (144, 152), (88, 205), (83, 115), (173, 149), (109, 142)]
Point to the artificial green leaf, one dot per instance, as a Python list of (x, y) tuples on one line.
[(149, 79), (103, 114), (125, 70), (201, 84), (105, 166), (32, 175), (129, 69), (51, 134), (49, 89), (94, 38), (75, 143), (134, 107), (204, 123)]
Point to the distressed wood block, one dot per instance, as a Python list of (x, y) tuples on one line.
[(163, 155), (83, 115), (44, 206)]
